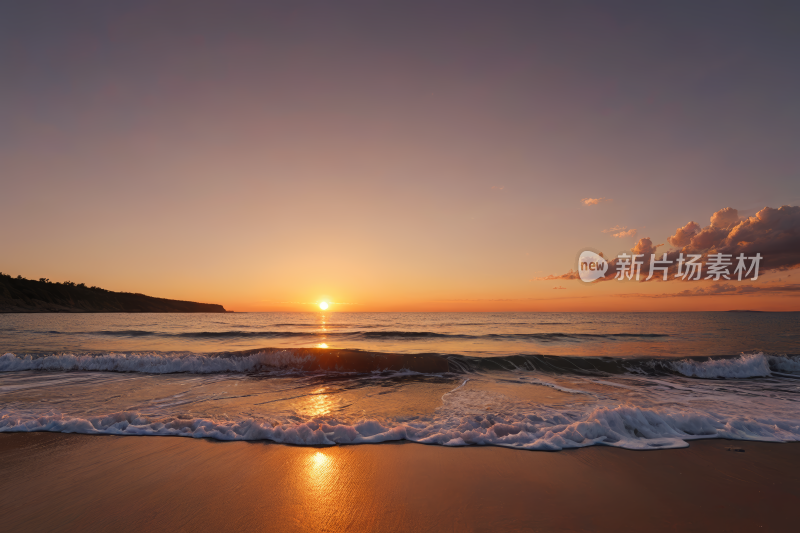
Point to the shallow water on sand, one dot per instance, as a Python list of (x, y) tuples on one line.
[(525, 380)]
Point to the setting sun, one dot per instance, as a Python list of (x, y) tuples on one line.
[(323, 305)]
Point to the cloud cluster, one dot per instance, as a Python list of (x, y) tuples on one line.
[(727, 289), (773, 233)]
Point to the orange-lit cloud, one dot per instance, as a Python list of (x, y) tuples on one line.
[(629, 233), (726, 289), (621, 231), (644, 246), (615, 229), (594, 201), (683, 236), (569, 275)]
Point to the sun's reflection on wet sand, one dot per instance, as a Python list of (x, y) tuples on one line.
[(318, 464), (321, 483), (336, 494)]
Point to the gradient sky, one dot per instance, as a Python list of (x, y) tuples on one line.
[(415, 156)]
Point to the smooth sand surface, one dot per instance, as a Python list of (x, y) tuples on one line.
[(56, 482)]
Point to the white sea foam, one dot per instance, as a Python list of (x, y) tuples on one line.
[(784, 363), (623, 426), (536, 381), (456, 389), (154, 363), (744, 366)]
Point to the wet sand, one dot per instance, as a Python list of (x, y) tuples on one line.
[(57, 482)]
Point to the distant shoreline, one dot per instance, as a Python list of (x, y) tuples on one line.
[(20, 295)]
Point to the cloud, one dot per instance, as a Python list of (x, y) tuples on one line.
[(724, 218), (615, 229), (683, 236), (559, 287), (619, 231), (473, 300), (644, 246), (498, 188), (569, 275), (727, 289), (594, 201), (773, 233)]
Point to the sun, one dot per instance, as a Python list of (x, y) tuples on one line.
[(323, 305)]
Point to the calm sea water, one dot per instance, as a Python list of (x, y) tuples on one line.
[(527, 380)]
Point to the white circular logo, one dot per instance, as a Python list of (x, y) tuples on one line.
[(591, 266)]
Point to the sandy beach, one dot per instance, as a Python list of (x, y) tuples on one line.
[(57, 482)]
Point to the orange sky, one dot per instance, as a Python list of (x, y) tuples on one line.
[(406, 158)]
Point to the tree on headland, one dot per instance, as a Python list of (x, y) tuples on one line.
[(20, 295), (47, 280)]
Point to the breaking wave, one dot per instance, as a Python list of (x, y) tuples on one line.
[(744, 366), (624, 426), (155, 363)]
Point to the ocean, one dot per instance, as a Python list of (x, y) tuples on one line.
[(534, 381)]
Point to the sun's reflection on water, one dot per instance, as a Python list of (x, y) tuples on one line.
[(323, 331), (317, 404)]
